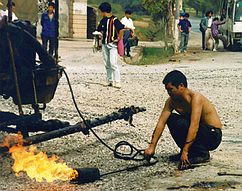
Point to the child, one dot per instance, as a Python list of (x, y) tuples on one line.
[(184, 26), (48, 33), (112, 31)]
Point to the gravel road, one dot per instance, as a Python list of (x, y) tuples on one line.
[(216, 75)]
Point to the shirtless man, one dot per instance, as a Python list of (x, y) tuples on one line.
[(195, 127)]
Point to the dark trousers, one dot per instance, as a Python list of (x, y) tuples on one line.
[(208, 138), (126, 36), (222, 38), (51, 41), (203, 40)]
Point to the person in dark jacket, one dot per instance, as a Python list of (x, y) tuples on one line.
[(48, 28), (184, 26), (216, 35)]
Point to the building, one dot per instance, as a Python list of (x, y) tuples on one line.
[(72, 17), (76, 19)]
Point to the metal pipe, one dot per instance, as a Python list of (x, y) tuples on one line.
[(87, 175), (10, 14), (57, 30), (125, 113)]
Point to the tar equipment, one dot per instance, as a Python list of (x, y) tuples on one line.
[(30, 82)]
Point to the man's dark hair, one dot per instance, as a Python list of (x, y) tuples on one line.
[(176, 78), (128, 11), (187, 15), (207, 13), (216, 19), (51, 4), (105, 7), (12, 4)]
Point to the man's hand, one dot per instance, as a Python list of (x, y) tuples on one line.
[(184, 163), (150, 151), (181, 30), (116, 40)]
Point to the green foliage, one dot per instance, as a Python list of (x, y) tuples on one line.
[(155, 55), (135, 5), (157, 8), (155, 32), (203, 5)]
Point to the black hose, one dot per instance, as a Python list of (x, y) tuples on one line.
[(134, 154)]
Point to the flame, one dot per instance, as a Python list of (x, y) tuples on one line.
[(37, 166)]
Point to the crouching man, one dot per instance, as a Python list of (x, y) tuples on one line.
[(195, 127)]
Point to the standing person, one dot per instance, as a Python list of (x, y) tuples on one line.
[(1, 12), (112, 31), (48, 28), (184, 26), (129, 30), (216, 35), (208, 33), (195, 127), (13, 8), (205, 28)]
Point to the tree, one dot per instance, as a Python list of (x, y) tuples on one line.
[(203, 5), (162, 12)]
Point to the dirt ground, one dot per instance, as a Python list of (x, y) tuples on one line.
[(216, 75)]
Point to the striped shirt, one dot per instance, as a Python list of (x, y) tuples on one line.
[(110, 27)]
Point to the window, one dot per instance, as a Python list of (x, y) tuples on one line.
[(238, 11)]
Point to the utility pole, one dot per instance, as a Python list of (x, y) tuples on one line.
[(176, 35)]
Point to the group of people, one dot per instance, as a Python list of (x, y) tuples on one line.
[(209, 28)]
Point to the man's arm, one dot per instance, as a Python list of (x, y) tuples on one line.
[(165, 114), (189, 27), (42, 20), (120, 29), (204, 24), (196, 105), (179, 27), (221, 22)]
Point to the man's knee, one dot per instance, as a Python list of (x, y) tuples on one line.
[(176, 120), (173, 120)]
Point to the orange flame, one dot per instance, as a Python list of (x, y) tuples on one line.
[(38, 166)]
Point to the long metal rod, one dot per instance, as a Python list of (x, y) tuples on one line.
[(81, 127), (57, 30), (20, 109), (10, 14)]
